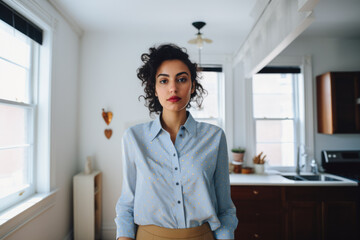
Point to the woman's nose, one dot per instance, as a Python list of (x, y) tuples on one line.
[(172, 86)]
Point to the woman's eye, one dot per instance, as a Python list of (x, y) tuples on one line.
[(163, 81), (182, 79)]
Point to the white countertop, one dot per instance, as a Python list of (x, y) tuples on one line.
[(275, 179)]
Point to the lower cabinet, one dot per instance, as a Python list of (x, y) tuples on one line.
[(321, 213), (302, 213), (259, 211), (340, 220)]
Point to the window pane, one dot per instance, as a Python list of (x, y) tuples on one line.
[(273, 95), (14, 125), (14, 46), (13, 171), (272, 106), (272, 83), (210, 109), (13, 82), (274, 131), (277, 154)]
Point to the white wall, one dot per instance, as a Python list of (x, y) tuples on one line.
[(108, 80), (56, 223), (328, 54)]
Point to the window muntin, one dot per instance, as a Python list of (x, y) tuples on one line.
[(275, 115)]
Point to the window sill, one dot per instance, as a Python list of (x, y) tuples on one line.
[(15, 217)]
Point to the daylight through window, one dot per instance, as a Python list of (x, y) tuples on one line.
[(275, 109)]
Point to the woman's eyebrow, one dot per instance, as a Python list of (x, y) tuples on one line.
[(162, 74), (182, 73), (167, 75)]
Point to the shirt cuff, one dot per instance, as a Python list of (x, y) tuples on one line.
[(223, 233), (123, 232)]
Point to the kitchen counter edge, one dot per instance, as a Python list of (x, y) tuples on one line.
[(270, 179)]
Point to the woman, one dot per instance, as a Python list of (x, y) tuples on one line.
[(176, 180)]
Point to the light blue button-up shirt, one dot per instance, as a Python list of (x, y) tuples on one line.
[(179, 185)]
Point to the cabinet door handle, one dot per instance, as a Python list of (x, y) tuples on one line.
[(256, 235), (256, 192)]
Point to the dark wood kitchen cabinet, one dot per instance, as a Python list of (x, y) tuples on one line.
[(303, 213), (299, 212), (259, 211), (338, 102), (340, 214)]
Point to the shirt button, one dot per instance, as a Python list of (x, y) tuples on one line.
[(180, 135), (177, 183), (182, 127), (174, 154), (176, 168), (179, 202)]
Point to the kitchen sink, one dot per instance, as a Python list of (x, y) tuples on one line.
[(317, 178), (294, 177)]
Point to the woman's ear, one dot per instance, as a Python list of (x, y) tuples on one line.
[(193, 87)]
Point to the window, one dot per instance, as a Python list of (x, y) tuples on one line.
[(276, 114), (18, 105), (211, 80)]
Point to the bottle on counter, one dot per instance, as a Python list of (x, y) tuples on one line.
[(314, 167)]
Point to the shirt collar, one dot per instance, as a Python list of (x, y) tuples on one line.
[(190, 126)]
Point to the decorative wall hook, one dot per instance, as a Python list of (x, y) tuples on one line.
[(107, 116), (108, 133)]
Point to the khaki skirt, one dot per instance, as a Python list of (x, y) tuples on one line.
[(152, 232)]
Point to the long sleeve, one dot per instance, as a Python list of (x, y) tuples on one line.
[(226, 209), (125, 226)]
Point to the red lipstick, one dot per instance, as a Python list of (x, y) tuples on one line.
[(174, 99)]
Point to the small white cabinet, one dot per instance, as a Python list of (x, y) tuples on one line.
[(87, 206)]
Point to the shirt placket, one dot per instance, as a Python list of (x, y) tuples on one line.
[(179, 198)]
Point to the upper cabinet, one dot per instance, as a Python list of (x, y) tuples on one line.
[(338, 102)]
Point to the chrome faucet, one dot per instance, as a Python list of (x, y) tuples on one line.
[(298, 167)]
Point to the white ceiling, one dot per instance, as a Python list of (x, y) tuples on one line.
[(228, 22)]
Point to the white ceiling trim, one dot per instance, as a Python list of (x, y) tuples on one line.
[(67, 17), (307, 5), (278, 26)]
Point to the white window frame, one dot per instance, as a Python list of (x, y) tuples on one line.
[(24, 192), (294, 119), (226, 101), (44, 197), (220, 96), (306, 110)]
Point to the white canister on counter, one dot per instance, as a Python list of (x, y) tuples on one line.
[(259, 168)]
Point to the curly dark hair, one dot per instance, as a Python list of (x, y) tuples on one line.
[(146, 73)]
